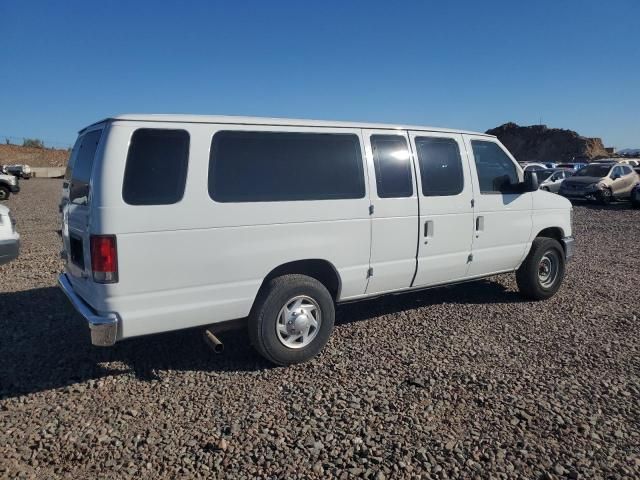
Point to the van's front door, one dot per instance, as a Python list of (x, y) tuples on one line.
[(503, 220), (394, 210), (446, 213)]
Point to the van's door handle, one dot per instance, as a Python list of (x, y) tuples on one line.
[(428, 230), (479, 225)]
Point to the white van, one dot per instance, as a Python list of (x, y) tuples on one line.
[(178, 221)]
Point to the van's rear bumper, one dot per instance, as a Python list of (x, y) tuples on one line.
[(104, 328)]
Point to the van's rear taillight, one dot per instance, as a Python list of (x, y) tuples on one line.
[(104, 258)]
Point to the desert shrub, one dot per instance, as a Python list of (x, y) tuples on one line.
[(33, 142)]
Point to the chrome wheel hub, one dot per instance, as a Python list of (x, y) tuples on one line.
[(298, 322), (548, 268)]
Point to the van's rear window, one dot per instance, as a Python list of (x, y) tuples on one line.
[(156, 169), (82, 158), (285, 166)]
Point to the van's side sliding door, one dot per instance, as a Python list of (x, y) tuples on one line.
[(394, 213), (446, 211)]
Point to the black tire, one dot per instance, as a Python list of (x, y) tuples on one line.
[(635, 198), (605, 196), (4, 193), (263, 320), (530, 277), (546, 189)]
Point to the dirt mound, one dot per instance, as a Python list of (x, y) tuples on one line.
[(34, 157), (542, 144)]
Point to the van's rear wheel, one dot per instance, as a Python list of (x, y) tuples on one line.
[(540, 275), (4, 193), (292, 319)]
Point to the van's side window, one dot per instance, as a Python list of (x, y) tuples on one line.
[(496, 172), (156, 169), (392, 163), (284, 166), (440, 166)]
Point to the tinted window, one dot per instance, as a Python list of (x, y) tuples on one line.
[(156, 169), (393, 166), (496, 171), (626, 170), (543, 174), (284, 166), (72, 158), (84, 153), (440, 166)]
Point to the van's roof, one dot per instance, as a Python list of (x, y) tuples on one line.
[(294, 122)]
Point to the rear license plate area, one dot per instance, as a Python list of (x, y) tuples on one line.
[(76, 251)]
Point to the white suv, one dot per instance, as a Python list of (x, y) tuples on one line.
[(9, 238), (8, 185), (177, 221)]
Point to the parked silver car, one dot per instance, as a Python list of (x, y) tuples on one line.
[(554, 178)]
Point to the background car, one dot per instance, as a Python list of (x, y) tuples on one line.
[(602, 181), (629, 161), (8, 185), (9, 238), (575, 166), (533, 166), (20, 171), (553, 178)]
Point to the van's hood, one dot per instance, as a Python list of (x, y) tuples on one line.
[(583, 180)]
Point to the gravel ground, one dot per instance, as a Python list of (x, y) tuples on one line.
[(459, 382)]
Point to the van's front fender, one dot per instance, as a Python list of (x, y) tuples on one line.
[(551, 211)]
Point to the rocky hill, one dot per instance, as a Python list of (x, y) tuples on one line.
[(539, 143), (34, 157)]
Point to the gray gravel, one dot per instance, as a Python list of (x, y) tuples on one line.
[(460, 382)]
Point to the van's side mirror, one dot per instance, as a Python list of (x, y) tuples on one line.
[(530, 183)]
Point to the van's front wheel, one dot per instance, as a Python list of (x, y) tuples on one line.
[(4, 193), (292, 319), (540, 275)]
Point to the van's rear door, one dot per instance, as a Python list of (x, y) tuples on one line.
[(76, 210)]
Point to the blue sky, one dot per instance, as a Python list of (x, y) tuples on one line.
[(464, 64)]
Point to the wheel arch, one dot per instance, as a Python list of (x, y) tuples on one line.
[(322, 270), (551, 232), (557, 233)]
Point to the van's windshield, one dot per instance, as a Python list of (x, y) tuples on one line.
[(593, 171), (80, 166)]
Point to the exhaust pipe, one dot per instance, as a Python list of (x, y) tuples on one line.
[(213, 342)]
